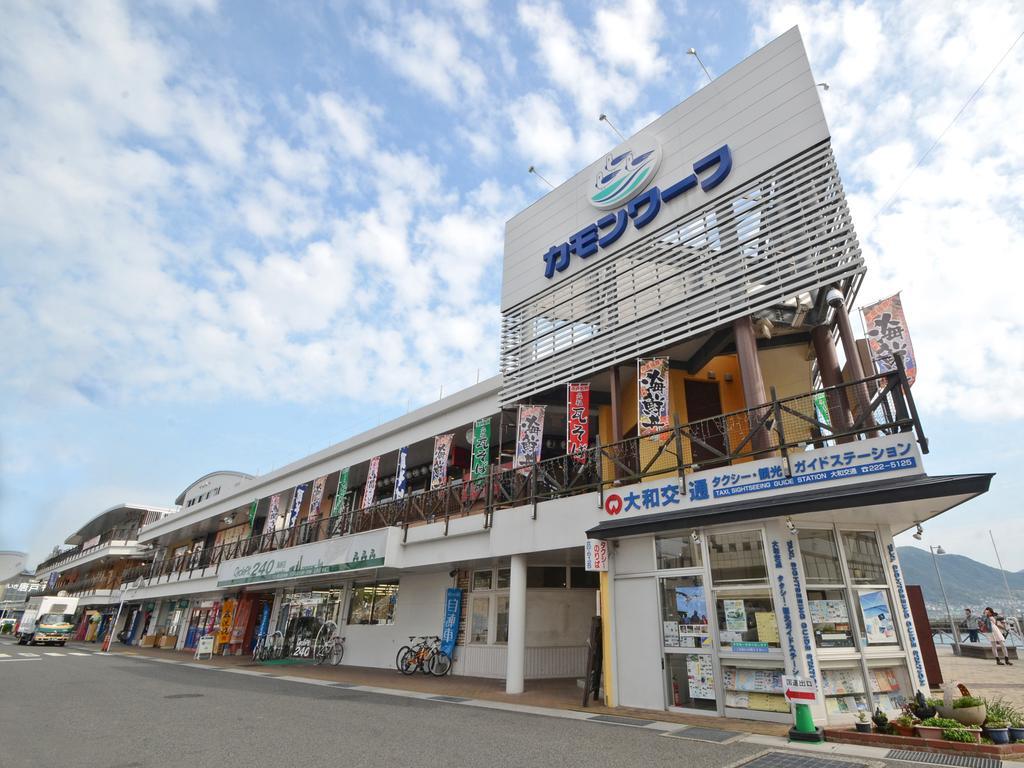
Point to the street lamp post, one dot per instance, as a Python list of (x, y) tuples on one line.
[(952, 626), (117, 617)]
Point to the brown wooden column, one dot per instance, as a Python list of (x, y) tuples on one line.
[(616, 384), (861, 396), (753, 381), (831, 376)]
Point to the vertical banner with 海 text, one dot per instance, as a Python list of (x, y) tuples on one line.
[(652, 397), (297, 497), (529, 435), (401, 480), (481, 449), (887, 335), (339, 495), (371, 481), (577, 421), (316, 499), (439, 464)]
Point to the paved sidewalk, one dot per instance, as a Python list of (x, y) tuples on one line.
[(983, 677), (560, 694)]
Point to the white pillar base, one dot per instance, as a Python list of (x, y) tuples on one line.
[(514, 670)]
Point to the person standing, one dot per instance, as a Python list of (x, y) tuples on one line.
[(971, 625), (994, 626)]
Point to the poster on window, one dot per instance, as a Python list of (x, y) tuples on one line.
[(316, 499), (481, 449), (297, 497), (874, 609), (273, 514), (339, 495), (529, 434), (439, 464), (691, 605), (652, 397), (735, 616), (577, 422), (401, 479), (371, 481), (885, 326)]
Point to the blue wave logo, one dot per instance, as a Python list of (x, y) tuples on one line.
[(626, 173)]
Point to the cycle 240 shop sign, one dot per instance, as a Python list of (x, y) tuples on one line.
[(324, 557)]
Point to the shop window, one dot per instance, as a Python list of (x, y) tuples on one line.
[(843, 687), (581, 578), (678, 551), (374, 603), (479, 618), (875, 619), (754, 686), (863, 558), (504, 578), (481, 580), (545, 577), (830, 618), (690, 680), (684, 613), (501, 625), (737, 557), (890, 685), (821, 557), (746, 621)]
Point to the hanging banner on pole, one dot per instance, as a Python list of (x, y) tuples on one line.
[(401, 481), (452, 612), (821, 409), (652, 397), (297, 497), (371, 481), (316, 499), (439, 465), (887, 335), (577, 422), (339, 495), (273, 514), (481, 449), (252, 513), (529, 435)]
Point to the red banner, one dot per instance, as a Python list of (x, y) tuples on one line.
[(577, 421)]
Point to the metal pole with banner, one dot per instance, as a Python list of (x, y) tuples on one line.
[(297, 497), (371, 481), (316, 499), (481, 449), (339, 495), (529, 435), (452, 611), (652, 397), (401, 481), (577, 421), (887, 336), (439, 464)]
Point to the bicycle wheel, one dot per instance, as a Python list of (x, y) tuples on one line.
[(257, 650), (338, 651), (409, 662), (323, 646), (440, 664), (398, 658)]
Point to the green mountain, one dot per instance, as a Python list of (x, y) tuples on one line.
[(968, 583)]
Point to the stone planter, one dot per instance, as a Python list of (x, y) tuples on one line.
[(970, 715), (902, 730), (929, 732), (866, 728)]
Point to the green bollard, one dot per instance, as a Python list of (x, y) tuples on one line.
[(805, 729)]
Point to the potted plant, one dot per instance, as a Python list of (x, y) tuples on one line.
[(998, 731), (1016, 729), (922, 708), (903, 725), (932, 728), (961, 734), (881, 721), (969, 710), (863, 725)]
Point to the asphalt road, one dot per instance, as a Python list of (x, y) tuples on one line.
[(120, 712)]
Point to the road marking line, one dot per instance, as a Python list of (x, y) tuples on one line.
[(52, 653), (5, 655), (33, 659), (26, 653), (78, 653)]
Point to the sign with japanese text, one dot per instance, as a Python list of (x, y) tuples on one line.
[(371, 481), (439, 464), (273, 514), (316, 499), (297, 497), (595, 555), (401, 479), (652, 397), (529, 435), (481, 449), (452, 614), (800, 689), (577, 421), (889, 455), (887, 335), (339, 495)]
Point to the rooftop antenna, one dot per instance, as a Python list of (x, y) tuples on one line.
[(693, 52), (534, 171), (603, 117)]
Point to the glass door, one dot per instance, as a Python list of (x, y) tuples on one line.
[(686, 644)]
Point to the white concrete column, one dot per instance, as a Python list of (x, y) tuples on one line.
[(516, 625)]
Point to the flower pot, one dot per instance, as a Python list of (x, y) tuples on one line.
[(866, 728), (970, 715), (902, 730), (998, 735), (929, 732), (1016, 734)]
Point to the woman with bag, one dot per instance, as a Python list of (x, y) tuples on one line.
[(994, 626)]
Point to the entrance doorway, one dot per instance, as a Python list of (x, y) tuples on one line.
[(704, 401), (686, 644)]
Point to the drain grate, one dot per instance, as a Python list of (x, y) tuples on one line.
[(619, 720), (934, 758), (452, 699), (797, 760), (698, 733)]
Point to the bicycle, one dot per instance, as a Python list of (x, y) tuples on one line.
[(425, 655), (329, 646), (268, 648)]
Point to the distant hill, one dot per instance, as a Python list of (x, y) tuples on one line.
[(968, 583)]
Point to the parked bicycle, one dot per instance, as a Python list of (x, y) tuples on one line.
[(329, 646), (268, 648), (423, 654)]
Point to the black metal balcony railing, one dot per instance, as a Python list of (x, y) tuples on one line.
[(877, 405)]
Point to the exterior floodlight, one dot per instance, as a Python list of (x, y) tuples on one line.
[(791, 526), (604, 119), (534, 171), (693, 52), (694, 537), (919, 532)]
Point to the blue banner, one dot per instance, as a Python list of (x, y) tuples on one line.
[(452, 612)]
